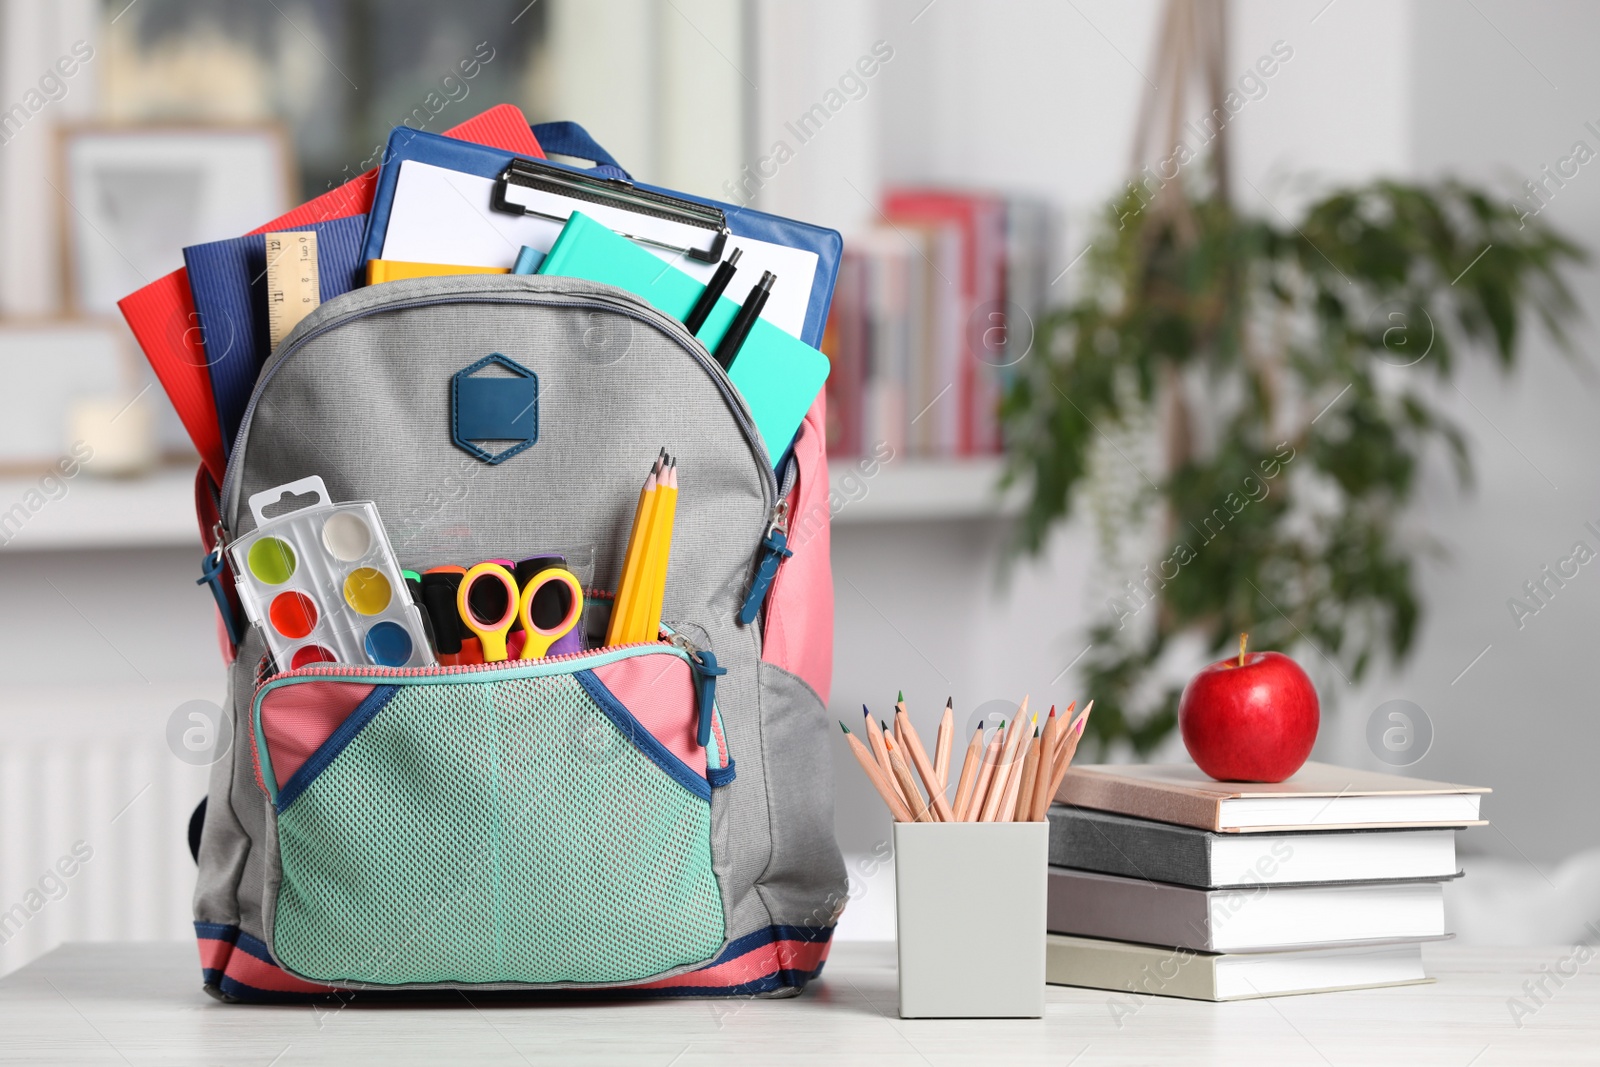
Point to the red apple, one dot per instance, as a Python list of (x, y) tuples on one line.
[(1249, 718)]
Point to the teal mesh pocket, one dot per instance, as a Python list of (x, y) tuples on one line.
[(500, 831)]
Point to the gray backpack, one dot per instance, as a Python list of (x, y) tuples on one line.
[(534, 825)]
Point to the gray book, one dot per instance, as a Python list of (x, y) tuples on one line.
[(1254, 919), (1176, 972), (1095, 840)]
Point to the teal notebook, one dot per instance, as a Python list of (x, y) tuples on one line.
[(778, 374)]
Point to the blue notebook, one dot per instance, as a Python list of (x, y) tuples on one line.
[(463, 156), (229, 283)]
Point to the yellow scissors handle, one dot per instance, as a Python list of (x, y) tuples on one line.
[(541, 638), (491, 632)]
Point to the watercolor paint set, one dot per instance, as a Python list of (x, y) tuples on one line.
[(322, 582)]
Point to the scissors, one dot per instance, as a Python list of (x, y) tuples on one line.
[(490, 603)]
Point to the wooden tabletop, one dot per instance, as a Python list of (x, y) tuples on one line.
[(142, 1004)]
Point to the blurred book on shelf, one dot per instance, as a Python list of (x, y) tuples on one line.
[(930, 318)]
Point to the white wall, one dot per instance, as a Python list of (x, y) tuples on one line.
[(1041, 97)]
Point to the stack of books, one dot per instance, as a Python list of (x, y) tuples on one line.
[(1163, 881), (930, 315)]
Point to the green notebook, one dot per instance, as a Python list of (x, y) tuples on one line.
[(778, 374)]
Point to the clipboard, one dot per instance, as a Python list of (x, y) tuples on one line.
[(489, 178)]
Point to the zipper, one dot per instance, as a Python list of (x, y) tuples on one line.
[(774, 546), (348, 671), (706, 672), (666, 324)]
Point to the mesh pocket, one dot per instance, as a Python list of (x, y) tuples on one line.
[(500, 831)]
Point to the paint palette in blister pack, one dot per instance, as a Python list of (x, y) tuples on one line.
[(322, 582)]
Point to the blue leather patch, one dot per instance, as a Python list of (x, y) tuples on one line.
[(494, 408)]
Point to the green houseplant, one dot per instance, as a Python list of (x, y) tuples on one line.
[(1286, 375)]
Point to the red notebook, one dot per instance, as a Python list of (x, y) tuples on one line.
[(162, 314)]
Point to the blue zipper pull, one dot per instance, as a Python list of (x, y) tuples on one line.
[(706, 673), (211, 569), (774, 550)]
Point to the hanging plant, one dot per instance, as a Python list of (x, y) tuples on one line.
[(1248, 406)]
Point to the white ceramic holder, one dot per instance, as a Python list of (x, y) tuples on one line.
[(970, 902)]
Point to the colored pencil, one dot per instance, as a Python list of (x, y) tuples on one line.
[(1040, 799), (1061, 738), (908, 784), (969, 774), (1003, 774), (897, 807), (942, 743), (980, 791), (875, 739), (924, 766), (1073, 735), (1022, 811)]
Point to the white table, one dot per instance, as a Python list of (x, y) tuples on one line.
[(142, 1004)]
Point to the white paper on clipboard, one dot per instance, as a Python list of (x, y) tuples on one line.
[(443, 216)]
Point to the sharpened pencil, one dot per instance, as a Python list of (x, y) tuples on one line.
[(924, 766), (1072, 734), (1008, 765), (897, 807), (1022, 810), (991, 760), (969, 774), (908, 784), (942, 743), (1040, 800), (875, 739)]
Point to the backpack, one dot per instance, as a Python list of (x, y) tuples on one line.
[(544, 826)]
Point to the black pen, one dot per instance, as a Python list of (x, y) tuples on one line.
[(713, 290), (728, 348)]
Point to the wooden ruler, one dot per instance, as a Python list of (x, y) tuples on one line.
[(292, 284)]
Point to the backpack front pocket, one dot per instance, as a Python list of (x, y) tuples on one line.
[(545, 823)]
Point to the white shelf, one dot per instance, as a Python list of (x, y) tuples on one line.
[(155, 511), (904, 490)]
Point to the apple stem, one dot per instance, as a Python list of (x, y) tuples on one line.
[(1242, 639)]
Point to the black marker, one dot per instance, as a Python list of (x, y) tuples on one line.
[(713, 290), (728, 348)]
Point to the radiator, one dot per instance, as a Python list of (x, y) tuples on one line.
[(94, 811)]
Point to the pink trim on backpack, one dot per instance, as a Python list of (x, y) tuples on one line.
[(660, 693), (297, 719), (799, 634), (775, 957)]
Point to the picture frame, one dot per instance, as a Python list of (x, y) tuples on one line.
[(132, 197)]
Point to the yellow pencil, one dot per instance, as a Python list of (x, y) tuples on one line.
[(661, 554), (969, 774), (638, 616), (616, 630)]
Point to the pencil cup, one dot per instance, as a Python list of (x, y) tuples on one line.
[(970, 900)]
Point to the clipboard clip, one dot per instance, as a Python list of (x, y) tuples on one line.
[(532, 187)]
